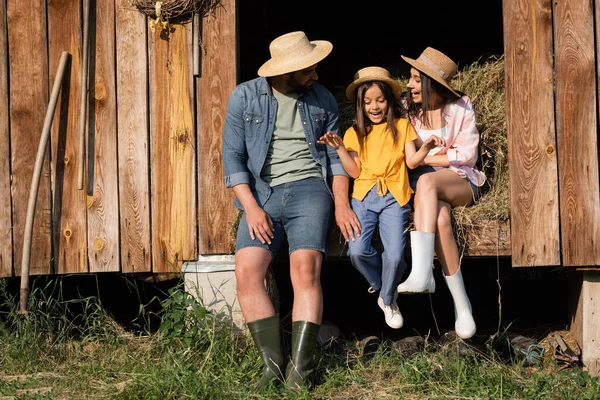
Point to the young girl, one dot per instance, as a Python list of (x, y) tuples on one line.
[(373, 152), (448, 178)]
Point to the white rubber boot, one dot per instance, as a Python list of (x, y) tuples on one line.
[(420, 279), (464, 324)]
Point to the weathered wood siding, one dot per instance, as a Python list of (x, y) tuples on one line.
[(138, 211), (6, 256), (134, 146), (531, 132), (576, 125), (29, 91), (68, 210), (173, 195), (217, 80)]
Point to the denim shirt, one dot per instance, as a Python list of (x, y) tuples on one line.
[(248, 131)]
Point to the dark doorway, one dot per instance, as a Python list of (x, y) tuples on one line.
[(371, 33)]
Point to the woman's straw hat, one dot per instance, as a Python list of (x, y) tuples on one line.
[(370, 74), (293, 52), (435, 65)]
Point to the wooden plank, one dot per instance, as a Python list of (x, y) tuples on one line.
[(6, 259), (576, 132), (216, 211), (173, 184), (531, 132), (132, 127), (585, 319), (488, 239), (69, 223), (102, 176), (26, 22)]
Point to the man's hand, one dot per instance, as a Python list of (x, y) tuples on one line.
[(260, 225), (347, 221)]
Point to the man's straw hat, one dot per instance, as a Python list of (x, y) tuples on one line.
[(435, 65), (370, 74), (294, 52)]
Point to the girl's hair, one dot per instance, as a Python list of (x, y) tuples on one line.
[(363, 125), (429, 87)]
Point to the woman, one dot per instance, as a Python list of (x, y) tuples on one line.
[(447, 178)]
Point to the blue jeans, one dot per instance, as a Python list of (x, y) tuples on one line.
[(382, 272), (301, 212)]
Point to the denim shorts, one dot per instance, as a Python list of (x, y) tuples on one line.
[(415, 174), (300, 211)]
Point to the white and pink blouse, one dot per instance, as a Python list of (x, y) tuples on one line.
[(462, 139)]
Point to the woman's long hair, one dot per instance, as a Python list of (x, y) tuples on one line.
[(363, 125), (429, 88)]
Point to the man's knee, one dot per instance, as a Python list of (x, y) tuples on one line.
[(251, 266), (306, 268)]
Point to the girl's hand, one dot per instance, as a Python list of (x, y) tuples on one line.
[(331, 139), (433, 141)]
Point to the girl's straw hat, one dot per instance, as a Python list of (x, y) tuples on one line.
[(370, 74), (293, 52), (435, 65)]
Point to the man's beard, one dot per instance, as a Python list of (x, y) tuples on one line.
[(297, 86)]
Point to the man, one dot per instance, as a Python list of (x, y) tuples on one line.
[(286, 185)]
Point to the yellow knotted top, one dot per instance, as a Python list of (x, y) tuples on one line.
[(382, 163)]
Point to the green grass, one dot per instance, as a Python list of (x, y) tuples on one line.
[(50, 353)]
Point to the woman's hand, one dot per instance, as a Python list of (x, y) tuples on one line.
[(331, 139), (433, 141)]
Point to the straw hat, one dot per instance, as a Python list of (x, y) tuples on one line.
[(435, 65), (370, 74), (293, 52)]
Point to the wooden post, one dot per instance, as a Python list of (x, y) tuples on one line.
[(6, 242), (132, 128), (218, 78), (531, 132), (576, 130), (585, 317)]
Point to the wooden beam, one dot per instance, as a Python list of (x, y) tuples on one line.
[(6, 260), (132, 127), (172, 143), (69, 219), (102, 171), (585, 318), (29, 93), (531, 132), (218, 78), (576, 132)]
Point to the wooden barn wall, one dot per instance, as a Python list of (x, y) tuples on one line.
[(552, 132), (153, 133)]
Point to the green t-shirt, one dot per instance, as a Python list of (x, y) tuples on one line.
[(288, 158)]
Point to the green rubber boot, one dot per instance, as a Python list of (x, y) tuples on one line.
[(266, 333), (300, 369)]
